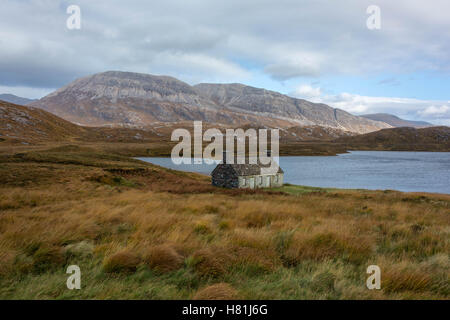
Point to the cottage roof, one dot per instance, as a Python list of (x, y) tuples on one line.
[(245, 169)]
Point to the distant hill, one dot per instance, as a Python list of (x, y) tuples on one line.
[(28, 125), (15, 99), (400, 139), (139, 100), (396, 121)]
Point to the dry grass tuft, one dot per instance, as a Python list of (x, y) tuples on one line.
[(402, 277), (218, 291), (210, 262), (124, 261), (257, 260), (163, 258)]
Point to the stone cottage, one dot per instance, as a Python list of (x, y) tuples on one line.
[(245, 176)]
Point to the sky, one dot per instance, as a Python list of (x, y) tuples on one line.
[(322, 51)]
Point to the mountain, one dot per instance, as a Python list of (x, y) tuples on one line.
[(243, 98), (400, 139), (15, 99), (139, 100), (132, 99), (396, 121)]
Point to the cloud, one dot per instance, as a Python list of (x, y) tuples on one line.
[(286, 39), (307, 92), (437, 112)]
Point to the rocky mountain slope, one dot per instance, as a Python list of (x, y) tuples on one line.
[(243, 98), (396, 121), (132, 99)]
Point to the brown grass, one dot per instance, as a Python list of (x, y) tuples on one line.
[(329, 245), (406, 277), (121, 262), (163, 258), (218, 291), (54, 210), (211, 262)]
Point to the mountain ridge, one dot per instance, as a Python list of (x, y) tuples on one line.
[(136, 99), (395, 121), (11, 98)]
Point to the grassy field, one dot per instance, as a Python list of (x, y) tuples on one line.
[(139, 231)]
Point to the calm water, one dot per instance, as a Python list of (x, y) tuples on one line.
[(404, 171)]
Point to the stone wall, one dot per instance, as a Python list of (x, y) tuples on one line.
[(225, 177)]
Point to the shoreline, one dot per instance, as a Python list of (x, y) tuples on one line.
[(320, 171)]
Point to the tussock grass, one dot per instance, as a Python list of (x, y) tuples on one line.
[(218, 291), (163, 258), (124, 261)]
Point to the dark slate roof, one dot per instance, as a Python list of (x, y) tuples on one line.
[(246, 169)]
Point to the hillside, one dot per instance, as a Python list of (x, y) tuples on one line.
[(396, 121), (15, 99), (139, 100), (412, 139), (29, 125)]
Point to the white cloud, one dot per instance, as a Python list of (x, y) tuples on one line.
[(307, 92), (285, 39), (200, 65), (437, 112)]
